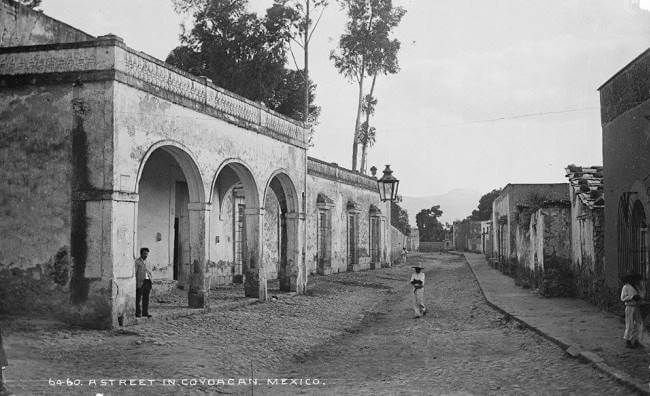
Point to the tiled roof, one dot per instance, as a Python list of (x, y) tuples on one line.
[(587, 184)]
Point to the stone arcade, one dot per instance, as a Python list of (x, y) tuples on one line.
[(108, 149)]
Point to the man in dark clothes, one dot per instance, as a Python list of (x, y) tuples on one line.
[(3, 364)]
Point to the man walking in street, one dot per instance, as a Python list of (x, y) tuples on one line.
[(142, 284), (417, 281)]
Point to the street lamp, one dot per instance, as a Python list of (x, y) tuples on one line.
[(388, 185)]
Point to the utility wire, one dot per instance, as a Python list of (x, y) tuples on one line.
[(489, 120)]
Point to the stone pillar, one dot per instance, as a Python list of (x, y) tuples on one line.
[(254, 274), (294, 277), (103, 280), (199, 232)]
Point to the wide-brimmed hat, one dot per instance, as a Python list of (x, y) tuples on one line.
[(417, 266)]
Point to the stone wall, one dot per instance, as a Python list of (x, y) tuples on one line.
[(543, 248), (20, 25), (588, 250), (504, 210), (460, 235), (339, 188)]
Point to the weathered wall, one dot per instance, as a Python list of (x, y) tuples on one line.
[(341, 186), (222, 253), (587, 245), (543, 248), (48, 145), (461, 235), (556, 258), (506, 205), (20, 25), (271, 235), (486, 238), (474, 242), (35, 197)]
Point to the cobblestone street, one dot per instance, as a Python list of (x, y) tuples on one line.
[(354, 333)]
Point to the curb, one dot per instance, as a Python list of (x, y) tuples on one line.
[(586, 356)]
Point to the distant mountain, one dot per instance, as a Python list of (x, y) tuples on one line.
[(455, 205)]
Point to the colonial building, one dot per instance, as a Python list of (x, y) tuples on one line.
[(625, 114), (505, 216), (106, 150)]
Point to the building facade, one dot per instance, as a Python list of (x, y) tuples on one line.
[(109, 150), (625, 105)]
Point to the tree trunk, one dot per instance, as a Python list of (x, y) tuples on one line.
[(364, 148), (305, 114), (357, 124)]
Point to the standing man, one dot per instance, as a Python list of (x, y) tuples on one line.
[(142, 284), (417, 280)]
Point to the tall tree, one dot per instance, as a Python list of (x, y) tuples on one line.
[(243, 53), (365, 49), (484, 211), (304, 28), (399, 218), (429, 226)]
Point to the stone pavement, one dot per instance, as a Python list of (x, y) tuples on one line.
[(582, 329), (351, 334)]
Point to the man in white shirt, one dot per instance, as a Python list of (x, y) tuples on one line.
[(142, 284), (417, 281)]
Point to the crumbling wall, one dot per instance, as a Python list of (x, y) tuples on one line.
[(20, 25), (35, 196), (557, 278), (588, 250)]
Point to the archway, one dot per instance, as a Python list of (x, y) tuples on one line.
[(168, 181), (281, 232), (234, 228)]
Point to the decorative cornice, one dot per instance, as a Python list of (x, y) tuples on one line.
[(84, 60), (330, 171)]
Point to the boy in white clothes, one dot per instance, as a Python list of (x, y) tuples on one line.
[(417, 280), (631, 296)]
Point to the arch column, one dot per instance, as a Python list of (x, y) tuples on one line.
[(293, 276), (254, 273), (199, 214)]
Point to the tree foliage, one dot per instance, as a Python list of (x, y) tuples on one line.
[(399, 218), (484, 211), (366, 49), (430, 228), (244, 53)]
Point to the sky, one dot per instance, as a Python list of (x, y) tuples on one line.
[(490, 92)]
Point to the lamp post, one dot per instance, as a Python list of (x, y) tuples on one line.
[(388, 186)]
